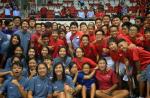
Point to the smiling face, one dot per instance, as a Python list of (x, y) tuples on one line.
[(18, 51), (74, 69), (79, 53), (42, 70), (58, 70), (102, 65), (44, 51), (85, 40), (25, 25), (15, 40), (32, 64), (112, 46), (62, 52), (31, 53), (86, 68), (123, 46)]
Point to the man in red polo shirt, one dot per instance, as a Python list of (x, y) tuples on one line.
[(36, 37), (141, 59), (55, 43)]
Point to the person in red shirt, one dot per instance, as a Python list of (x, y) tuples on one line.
[(43, 12), (80, 59), (84, 28), (147, 39), (100, 43), (134, 36), (91, 30), (106, 20), (36, 37), (88, 48), (141, 59), (55, 43), (107, 82)]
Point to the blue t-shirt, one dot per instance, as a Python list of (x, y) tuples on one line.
[(59, 84), (40, 87), (86, 82), (11, 89)]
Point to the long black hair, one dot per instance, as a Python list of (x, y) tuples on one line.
[(54, 74)]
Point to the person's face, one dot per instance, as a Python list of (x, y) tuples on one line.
[(98, 24), (133, 31), (86, 69), (85, 41), (25, 26), (102, 65), (99, 36), (147, 35), (15, 40), (18, 51), (58, 70), (138, 22), (79, 53), (16, 70), (91, 29), (45, 40), (48, 62), (112, 46), (44, 52), (106, 20), (55, 35), (31, 53), (62, 52), (125, 30), (74, 29), (113, 31), (17, 22), (125, 19), (32, 23), (32, 64), (62, 34), (11, 25), (43, 28), (38, 28), (54, 26), (16, 59), (49, 29), (74, 69), (123, 46), (83, 28), (116, 22), (105, 29), (67, 29), (42, 70)]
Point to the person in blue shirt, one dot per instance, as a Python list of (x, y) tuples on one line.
[(62, 85), (16, 86), (40, 85), (25, 36), (63, 58), (87, 80)]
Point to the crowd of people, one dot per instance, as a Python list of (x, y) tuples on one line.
[(108, 58)]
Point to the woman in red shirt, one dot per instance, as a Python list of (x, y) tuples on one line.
[(107, 82)]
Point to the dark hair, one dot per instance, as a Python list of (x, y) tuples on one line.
[(24, 21), (100, 30), (43, 24), (126, 16), (113, 26), (106, 16), (32, 18), (27, 58), (102, 59), (71, 65), (140, 18), (22, 56), (134, 25), (15, 17), (46, 48), (121, 40), (146, 30), (111, 39), (98, 19), (84, 36), (13, 57), (39, 65), (74, 23), (1, 22), (62, 30), (86, 64), (56, 31), (54, 74), (83, 23), (7, 22), (38, 24), (45, 35), (48, 24), (127, 24), (18, 64)]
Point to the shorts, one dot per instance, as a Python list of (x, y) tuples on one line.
[(145, 74)]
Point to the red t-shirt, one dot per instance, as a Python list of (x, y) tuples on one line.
[(138, 54), (146, 44), (92, 37), (56, 45), (106, 80), (89, 51), (43, 11), (99, 46), (82, 61), (34, 39)]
